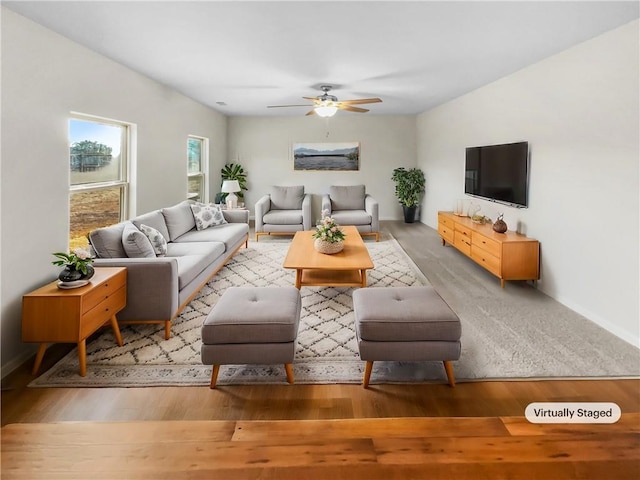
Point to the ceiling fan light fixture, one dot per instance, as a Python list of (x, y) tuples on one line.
[(326, 110)]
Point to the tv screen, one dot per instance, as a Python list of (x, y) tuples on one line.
[(498, 173)]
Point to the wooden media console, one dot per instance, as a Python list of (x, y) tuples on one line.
[(509, 255)]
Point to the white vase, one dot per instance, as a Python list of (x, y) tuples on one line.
[(329, 248)]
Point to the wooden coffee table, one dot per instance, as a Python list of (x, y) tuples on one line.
[(345, 269)]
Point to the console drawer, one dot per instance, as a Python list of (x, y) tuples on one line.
[(462, 242), (486, 243), (445, 232), (443, 220), (488, 261)]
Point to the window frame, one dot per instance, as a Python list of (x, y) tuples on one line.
[(202, 174), (124, 181)]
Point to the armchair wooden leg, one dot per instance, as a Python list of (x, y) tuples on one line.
[(289, 369), (167, 329), (214, 376), (448, 367), (367, 373)]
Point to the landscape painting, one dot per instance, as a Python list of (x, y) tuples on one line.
[(326, 156)]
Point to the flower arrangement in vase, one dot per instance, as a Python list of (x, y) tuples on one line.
[(77, 267), (329, 237)]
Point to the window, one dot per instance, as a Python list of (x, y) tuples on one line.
[(197, 154), (98, 166)]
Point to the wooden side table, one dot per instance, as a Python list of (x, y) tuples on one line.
[(54, 315)]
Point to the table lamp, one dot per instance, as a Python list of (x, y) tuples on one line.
[(230, 187)]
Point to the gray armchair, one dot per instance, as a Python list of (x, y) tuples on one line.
[(350, 205), (284, 211)]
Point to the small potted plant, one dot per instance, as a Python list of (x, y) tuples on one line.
[(329, 237), (77, 265), (409, 188)]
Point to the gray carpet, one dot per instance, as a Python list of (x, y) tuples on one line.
[(515, 333)]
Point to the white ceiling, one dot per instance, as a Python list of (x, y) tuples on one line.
[(413, 55)]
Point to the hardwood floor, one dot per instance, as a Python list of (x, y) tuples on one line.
[(343, 431)]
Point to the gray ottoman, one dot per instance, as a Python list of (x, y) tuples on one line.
[(405, 324), (250, 325)]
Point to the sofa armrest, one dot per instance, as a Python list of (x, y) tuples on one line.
[(326, 203), (371, 207), (236, 216), (262, 206), (152, 287), (306, 212)]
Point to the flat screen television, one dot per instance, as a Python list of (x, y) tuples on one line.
[(498, 173)]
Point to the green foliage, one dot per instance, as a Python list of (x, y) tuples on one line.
[(234, 171), (409, 185), (328, 230), (78, 259)]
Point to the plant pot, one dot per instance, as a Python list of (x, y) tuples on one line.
[(328, 248), (409, 213), (70, 274)]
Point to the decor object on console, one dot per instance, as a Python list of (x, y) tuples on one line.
[(351, 205), (500, 225), (159, 287), (409, 188), (509, 255), (329, 237), (284, 211), (77, 268)]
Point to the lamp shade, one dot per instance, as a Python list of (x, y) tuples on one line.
[(230, 186)]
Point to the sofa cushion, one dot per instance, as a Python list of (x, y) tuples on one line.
[(135, 243), (193, 258), (287, 198), (351, 217), (178, 219), (283, 217), (158, 242), (153, 219), (107, 241), (206, 215), (349, 197), (229, 234)]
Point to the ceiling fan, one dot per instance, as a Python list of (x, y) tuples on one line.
[(327, 105)]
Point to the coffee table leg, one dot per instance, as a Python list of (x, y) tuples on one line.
[(298, 278), (82, 357), (363, 276)]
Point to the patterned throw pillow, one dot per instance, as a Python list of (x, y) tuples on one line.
[(207, 215), (158, 242)]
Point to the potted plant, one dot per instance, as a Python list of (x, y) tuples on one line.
[(233, 171), (409, 188)]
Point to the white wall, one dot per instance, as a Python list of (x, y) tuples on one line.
[(262, 145), (44, 78), (579, 110)]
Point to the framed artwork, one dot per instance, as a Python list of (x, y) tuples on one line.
[(344, 156)]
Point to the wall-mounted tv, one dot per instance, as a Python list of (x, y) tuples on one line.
[(498, 173)]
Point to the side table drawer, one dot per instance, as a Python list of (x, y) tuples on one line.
[(101, 292), (101, 313)]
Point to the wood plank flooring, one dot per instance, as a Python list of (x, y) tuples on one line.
[(475, 430), (392, 448)]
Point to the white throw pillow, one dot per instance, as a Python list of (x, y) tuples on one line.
[(158, 242), (136, 243), (207, 215)]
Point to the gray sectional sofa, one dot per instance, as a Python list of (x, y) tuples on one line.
[(160, 286)]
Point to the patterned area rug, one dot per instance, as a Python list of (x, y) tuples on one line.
[(326, 348)]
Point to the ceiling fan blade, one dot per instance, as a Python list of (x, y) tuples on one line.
[(313, 99), (349, 108), (361, 101), (280, 106), (310, 112)]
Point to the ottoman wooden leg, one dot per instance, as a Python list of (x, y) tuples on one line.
[(449, 369), (214, 376), (289, 369), (367, 374)]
